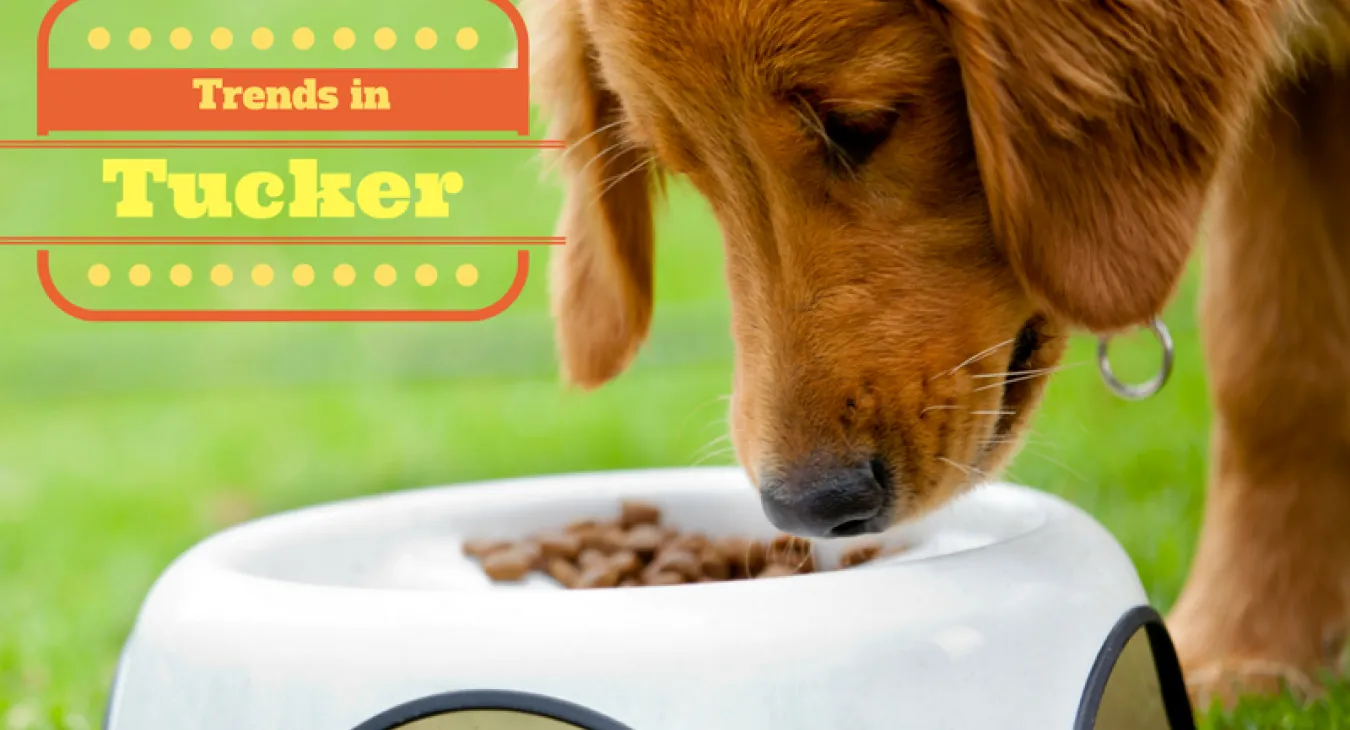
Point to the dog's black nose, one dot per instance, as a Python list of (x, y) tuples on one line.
[(818, 501)]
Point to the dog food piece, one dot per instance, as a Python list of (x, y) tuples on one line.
[(626, 562), (564, 572), (776, 570), (692, 542), (675, 560), (663, 578), (644, 540), (511, 564), (713, 565), (756, 558), (745, 557), (598, 576), (483, 547), (790, 551), (859, 554), (532, 551), (633, 513), (564, 545), (581, 526), (593, 539), (612, 538), (591, 557)]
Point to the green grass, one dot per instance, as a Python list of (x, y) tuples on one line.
[(122, 445)]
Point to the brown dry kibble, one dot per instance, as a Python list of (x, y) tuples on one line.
[(757, 558), (511, 564), (531, 550), (633, 513), (776, 570), (592, 539), (636, 549), (692, 542), (859, 554), (790, 551), (644, 540), (591, 557), (664, 579), (626, 562), (713, 565), (672, 559), (599, 576), (611, 538), (564, 572), (482, 547), (560, 545), (581, 526)]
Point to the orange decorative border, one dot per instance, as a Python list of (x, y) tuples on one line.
[(163, 99), (281, 241), (282, 315)]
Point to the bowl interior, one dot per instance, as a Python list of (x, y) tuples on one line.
[(413, 540)]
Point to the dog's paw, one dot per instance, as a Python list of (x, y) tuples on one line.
[(1223, 683)]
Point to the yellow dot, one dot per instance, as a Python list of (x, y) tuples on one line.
[(344, 38), (180, 38), (303, 275), (262, 274), (466, 275), (221, 275), (222, 38), (385, 38), (140, 39), (99, 38), (139, 275), (425, 275), (180, 275), (303, 38), (262, 39), (99, 275), (454, 182), (344, 275), (426, 39), (466, 38), (385, 275)]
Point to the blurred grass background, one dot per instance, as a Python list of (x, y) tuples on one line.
[(122, 445)]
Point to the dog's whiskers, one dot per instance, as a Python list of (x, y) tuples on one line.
[(621, 146), (717, 446), (642, 165), (714, 455), (940, 408), (1025, 375), (969, 471), (978, 356), (558, 160)]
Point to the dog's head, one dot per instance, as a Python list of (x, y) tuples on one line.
[(918, 199)]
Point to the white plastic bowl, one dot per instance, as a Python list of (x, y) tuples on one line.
[(1010, 610)]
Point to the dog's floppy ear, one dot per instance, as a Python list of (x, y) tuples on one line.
[(1098, 129), (601, 278)]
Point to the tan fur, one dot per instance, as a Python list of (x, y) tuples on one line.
[(1018, 166)]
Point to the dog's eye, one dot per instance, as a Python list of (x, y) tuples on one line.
[(855, 137)]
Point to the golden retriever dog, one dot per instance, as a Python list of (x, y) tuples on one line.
[(919, 200)]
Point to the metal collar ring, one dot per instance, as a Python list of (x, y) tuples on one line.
[(1144, 390)]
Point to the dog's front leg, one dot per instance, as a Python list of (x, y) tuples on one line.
[(1268, 599)]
